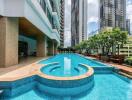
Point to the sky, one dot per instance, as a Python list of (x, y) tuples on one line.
[(93, 17), (67, 29)]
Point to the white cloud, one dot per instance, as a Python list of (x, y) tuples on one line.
[(129, 10), (67, 38), (69, 2), (129, 2), (67, 29), (93, 19), (93, 7), (93, 15)]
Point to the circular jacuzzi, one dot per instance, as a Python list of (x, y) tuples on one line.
[(57, 80), (55, 69)]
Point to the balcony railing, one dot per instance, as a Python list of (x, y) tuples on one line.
[(47, 12)]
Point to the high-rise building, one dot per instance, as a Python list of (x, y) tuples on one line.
[(62, 14), (113, 13), (128, 25), (78, 21), (28, 27)]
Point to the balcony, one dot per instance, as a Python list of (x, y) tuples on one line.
[(37, 17), (56, 35), (56, 19), (56, 6), (42, 20)]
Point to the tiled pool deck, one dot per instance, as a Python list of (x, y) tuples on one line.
[(23, 62), (30, 68), (24, 69)]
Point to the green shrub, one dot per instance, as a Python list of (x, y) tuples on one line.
[(128, 60)]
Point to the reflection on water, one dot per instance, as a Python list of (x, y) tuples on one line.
[(67, 66), (129, 94)]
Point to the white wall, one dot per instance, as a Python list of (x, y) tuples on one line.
[(14, 8), (1, 7)]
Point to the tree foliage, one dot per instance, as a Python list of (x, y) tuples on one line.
[(104, 41)]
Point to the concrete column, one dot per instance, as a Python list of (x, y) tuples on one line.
[(41, 46), (8, 41), (51, 48), (55, 48)]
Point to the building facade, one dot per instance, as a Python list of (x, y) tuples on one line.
[(113, 14), (62, 23), (128, 25), (78, 21), (28, 27)]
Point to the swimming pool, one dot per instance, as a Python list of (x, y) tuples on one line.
[(74, 60), (68, 63), (107, 87), (107, 84), (70, 77)]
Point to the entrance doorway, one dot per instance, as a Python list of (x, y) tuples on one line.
[(22, 49)]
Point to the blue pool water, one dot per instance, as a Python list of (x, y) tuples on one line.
[(64, 71), (69, 65), (74, 59), (107, 87)]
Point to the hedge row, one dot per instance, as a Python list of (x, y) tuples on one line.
[(128, 61)]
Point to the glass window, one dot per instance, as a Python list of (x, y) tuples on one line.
[(43, 5)]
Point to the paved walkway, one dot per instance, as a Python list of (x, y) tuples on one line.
[(22, 63), (123, 67)]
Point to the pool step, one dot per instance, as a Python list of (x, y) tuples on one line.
[(129, 72), (125, 74), (103, 70)]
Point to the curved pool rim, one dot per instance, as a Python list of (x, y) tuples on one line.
[(90, 72), (66, 86)]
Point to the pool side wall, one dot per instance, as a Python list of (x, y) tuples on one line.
[(65, 87), (18, 87)]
